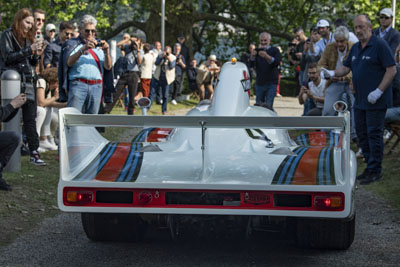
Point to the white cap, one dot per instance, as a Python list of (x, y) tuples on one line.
[(387, 12), (50, 27), (322, 23), (212, 57)]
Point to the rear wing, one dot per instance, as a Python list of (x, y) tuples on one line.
[(74, 126)]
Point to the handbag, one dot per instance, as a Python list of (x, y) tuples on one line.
[(29, 91)]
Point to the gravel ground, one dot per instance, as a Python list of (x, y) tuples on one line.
[(60, 241)]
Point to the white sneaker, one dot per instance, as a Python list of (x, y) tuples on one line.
[(41, 150), (51, 140), (173, 102), (387, 134), (161, 102), (47, 145)]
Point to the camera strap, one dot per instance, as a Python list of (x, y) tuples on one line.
[(96, 58)]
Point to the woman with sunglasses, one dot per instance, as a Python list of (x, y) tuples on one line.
[(21, 51), (85, 61)]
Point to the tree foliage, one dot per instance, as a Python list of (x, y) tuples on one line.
[(207, 24)]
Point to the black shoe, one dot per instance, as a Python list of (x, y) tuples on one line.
[(363, 175), (371, 177), (4, 186)]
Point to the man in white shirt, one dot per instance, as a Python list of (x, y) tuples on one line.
[(315, 91)]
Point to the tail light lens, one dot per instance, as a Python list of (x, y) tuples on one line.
[(145, 197), (79, 197), (328, 202)]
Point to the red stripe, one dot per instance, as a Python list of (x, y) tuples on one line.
[(113, 167), (317, 138), (306, 172)]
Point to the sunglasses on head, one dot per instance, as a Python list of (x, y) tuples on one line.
[(90, 31)]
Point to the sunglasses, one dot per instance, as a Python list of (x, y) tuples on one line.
[(53, 31), (68, 33), (39, 19), (90, 31), (384, 17)]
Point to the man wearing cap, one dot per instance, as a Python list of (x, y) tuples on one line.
[(51, 56), (373, 67), (324, 30), (386, 31), (50, 33), (266, 59), (186, 54), (205, 77)]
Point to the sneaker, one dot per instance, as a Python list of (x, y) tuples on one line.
[(41, 150), (371, 177), (359, 154), (52, 140), (47, 145), (164, 113), (363, 175), (161, 102), (386, 134), (173, 102), (35, 159), (4, 186), (278, 95)]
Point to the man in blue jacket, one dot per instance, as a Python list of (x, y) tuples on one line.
[(386, 31)]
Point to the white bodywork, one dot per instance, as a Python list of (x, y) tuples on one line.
[(230, 158)]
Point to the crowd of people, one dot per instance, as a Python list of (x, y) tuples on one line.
[(71, 67)]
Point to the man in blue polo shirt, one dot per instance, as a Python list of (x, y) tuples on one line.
[(372, 64)]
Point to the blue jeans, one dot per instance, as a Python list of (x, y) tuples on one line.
[(392, 115), (162, 83), (308, 105), (369, 128), (266, 94), (85, 97)]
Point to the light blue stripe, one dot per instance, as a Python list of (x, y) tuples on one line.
[(331, 139), (99, 161), (286, 168), (337, 139), (321, 166), (133, 166), (95, 163), (298, 140), (293, 167), (327, 170), (125, 169), (305, 140)]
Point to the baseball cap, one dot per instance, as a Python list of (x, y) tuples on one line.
[(50, 27), (322, 23), (181, 36), (387, 12), (212, 57)]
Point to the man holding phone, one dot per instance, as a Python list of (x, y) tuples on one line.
[(266, 59), (314, 91)]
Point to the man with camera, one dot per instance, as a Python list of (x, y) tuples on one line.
[(266, 59), (165, 74), (295, 52), (85, 62), (130, 77)]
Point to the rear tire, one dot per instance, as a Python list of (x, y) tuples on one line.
[(325, 233), (113, 227)]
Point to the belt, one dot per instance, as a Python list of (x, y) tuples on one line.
[(90, 81)]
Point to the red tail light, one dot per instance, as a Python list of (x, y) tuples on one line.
[(328, 202), (79, 197)]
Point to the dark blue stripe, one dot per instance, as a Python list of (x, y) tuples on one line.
[(321, 166), (133, 166), (127, 165), (288, 164), (294, 166), (327, 166), (95, 163)]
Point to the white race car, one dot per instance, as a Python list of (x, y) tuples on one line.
[(224, 161)]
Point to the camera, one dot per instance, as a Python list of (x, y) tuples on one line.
[(133, 46), (99, 43), (167, 54), (260, 49)]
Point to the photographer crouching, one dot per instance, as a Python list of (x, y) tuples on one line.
[(130, 76)]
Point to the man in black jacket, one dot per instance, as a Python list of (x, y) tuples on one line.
[(9, 140), (386, 31), (266, 59)]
